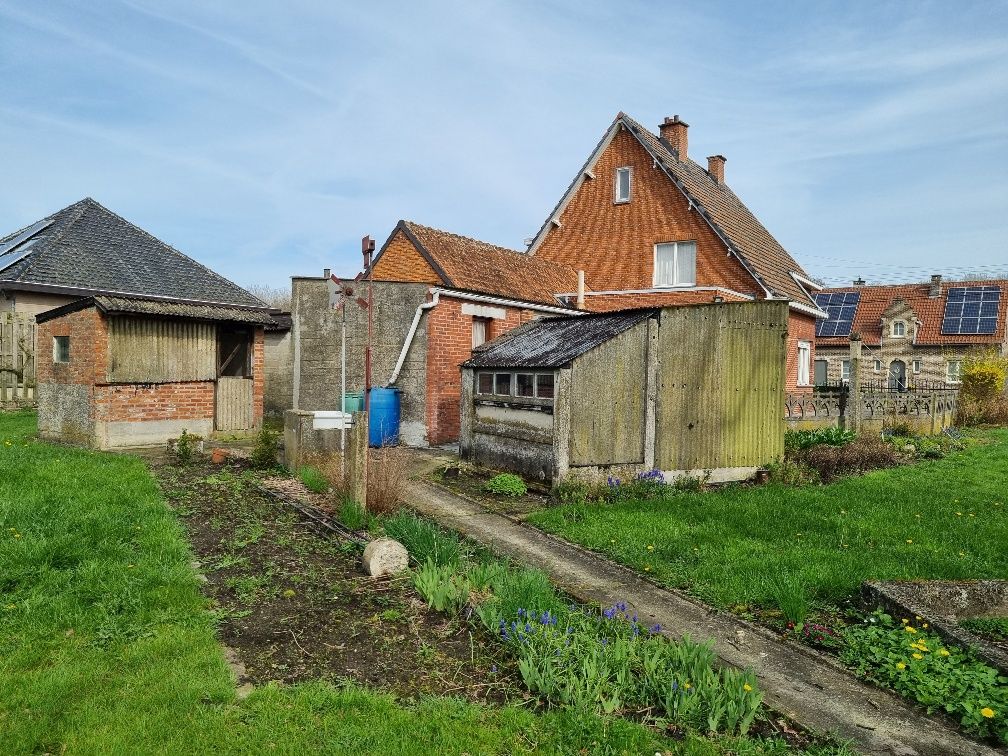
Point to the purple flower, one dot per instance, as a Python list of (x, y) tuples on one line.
[(656, 629), (613, 482), (493, 669), (636, 631), (605, 641), (610, 612), (621, 606)]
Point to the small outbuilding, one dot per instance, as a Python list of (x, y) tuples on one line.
[(118, 372), (691, 390)]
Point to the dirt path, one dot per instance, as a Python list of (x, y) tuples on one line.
[(805, 686)]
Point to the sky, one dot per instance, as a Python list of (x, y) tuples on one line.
[(265, 139)]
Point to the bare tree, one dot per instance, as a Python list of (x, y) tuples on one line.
[(275, 297)]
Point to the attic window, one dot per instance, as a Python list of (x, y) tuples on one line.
[(61, 349), (898, 328), (621, 189)]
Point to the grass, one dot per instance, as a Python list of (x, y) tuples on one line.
[(995, 628), (736, 546), (107, 646)]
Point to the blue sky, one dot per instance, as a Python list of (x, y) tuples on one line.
[(265, 139)]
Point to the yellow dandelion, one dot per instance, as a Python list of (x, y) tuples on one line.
[(987, 712), (909, 540), (747, 687), (647, 568), (910, 629), (943, 652), (958, 514), (925, 625), (917, 617), (906, 621), (650, 547), (918, 656), (900, 665), (687, 686)]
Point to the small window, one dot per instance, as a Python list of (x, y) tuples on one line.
[(544, 385), (481, 327), (804, 362), (621, 190), (878, 366), (917, 366), (502, 384), (953, 371), (898, 329), (485, 383), (675, 264), (525, 385), (845, 370), (61, 349)]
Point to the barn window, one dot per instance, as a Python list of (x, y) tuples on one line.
[(234, 352), (480, 331), (804, 362), (525, 385), (61, 349), (502, 384), (544, 385), (485, 383)]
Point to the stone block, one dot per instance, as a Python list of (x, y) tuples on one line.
[(385, 557)]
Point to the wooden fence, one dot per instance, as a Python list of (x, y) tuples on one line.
[(17, 359)]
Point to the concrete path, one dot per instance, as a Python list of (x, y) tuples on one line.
[(805, 686)]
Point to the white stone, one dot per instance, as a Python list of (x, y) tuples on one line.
[(385, 557)]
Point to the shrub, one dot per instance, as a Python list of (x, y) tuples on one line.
[(507, 484), (353, 515), (264, 453), (423, 540), (571, 492), (795, 440), (982, 411), (445, 589), (388, 473), (983, 376), (995, 628), (186, 445), (790, 473), (860, 456), (920, 666), (313, 480)]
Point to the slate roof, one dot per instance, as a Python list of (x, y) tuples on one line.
[(477, 266), (749, 239), (87, 249), (554, 341), (161, 308), (875, 300)]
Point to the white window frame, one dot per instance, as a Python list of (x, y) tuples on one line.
[(903, 328), (949, 372), (804, 363), (56, 358), (915, 365), (845, 370), (675, 265), (617, 199), (878, 366)]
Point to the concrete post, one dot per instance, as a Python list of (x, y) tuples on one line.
[(467, 414), (855, 404), (356, 460), (561, 425), (651, 395)]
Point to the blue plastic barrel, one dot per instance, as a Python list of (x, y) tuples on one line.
[(383, 417)]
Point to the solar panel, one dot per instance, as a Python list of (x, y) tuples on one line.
[(841, 307), (971, 310), (28, 233)]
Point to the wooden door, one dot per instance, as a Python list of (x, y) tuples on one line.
[(234, 403)]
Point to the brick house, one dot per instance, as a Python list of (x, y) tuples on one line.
[(910, 333), (436, 296), (650, 227)]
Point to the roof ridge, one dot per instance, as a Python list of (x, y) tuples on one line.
[(463, 237)]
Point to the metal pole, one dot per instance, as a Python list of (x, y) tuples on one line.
[(342, 438), (367, 247)]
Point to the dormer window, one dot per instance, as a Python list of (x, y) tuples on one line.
[(621, 189), (675, 264), (898, 329)]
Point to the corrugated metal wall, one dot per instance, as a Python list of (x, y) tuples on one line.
[(146, 350), (607, 408), (721, 386)]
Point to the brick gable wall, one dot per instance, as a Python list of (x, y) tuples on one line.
[(614, 243), (400, 261), (800, 328)]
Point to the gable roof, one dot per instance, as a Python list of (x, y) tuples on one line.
[(476, 266), (742, 233), (554, 342), (929, 311), (87, 249)]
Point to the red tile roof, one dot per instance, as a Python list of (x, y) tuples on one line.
[(476, 266), (929, 311), (612, 302)]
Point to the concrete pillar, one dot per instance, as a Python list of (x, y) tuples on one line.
[(855, 403), (651, 395), (561, 425), (356, 459)]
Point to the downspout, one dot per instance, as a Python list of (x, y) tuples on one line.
[(412, 332)]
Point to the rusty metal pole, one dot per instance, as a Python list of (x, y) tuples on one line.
[(367, 247)]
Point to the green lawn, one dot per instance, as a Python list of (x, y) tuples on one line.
[(738, 546), (106, 645)]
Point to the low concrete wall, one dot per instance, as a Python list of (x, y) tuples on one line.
[(65, 413), (122, 434)]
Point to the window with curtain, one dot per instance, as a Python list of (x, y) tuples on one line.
[(479, 331), (675, 264), (804, 362), (845, 370)]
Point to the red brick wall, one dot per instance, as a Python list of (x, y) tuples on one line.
[(193, 400), (614, 244), (88, 349), (258, 375), (449, 344), (400, 261), (800, 328)]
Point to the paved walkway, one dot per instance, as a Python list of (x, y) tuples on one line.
[(806, 686)]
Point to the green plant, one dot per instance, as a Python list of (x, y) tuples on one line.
[(859, 456), (443, 586), (791, 597), (186, 445), (388, 473), (994, 628), (264, 453), (795, 440), (571, 491), (485, 575), (919, 665), (506, 484), (423, 540), (313, 480), (353, 515), (788, 472)]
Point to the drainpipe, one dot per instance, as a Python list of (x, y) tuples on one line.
[(581, 290), (412, 332)]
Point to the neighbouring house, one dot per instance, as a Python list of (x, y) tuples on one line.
[(436, 295), (102, 285), (912, 335), (128, 371), (651, 227), (695, 389)]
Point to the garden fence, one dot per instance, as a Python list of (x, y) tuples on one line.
[(873, 408), (17, 359)]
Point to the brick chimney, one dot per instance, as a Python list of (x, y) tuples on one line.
[(936, 287), (673, 131), (715, 167)]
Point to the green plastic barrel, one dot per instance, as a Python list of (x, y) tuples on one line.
[(354, 401)]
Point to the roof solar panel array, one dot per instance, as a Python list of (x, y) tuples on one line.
[(971, 310), (841, 307)]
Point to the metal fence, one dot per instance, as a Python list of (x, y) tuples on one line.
[(17, 359)]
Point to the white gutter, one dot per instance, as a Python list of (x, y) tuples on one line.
[(506, 302), (664, 290), (412, 332), (814, 311)]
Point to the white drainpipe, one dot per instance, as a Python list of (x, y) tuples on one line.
[(412, 332)]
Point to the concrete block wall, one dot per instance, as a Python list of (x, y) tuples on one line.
[(278, 370)]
